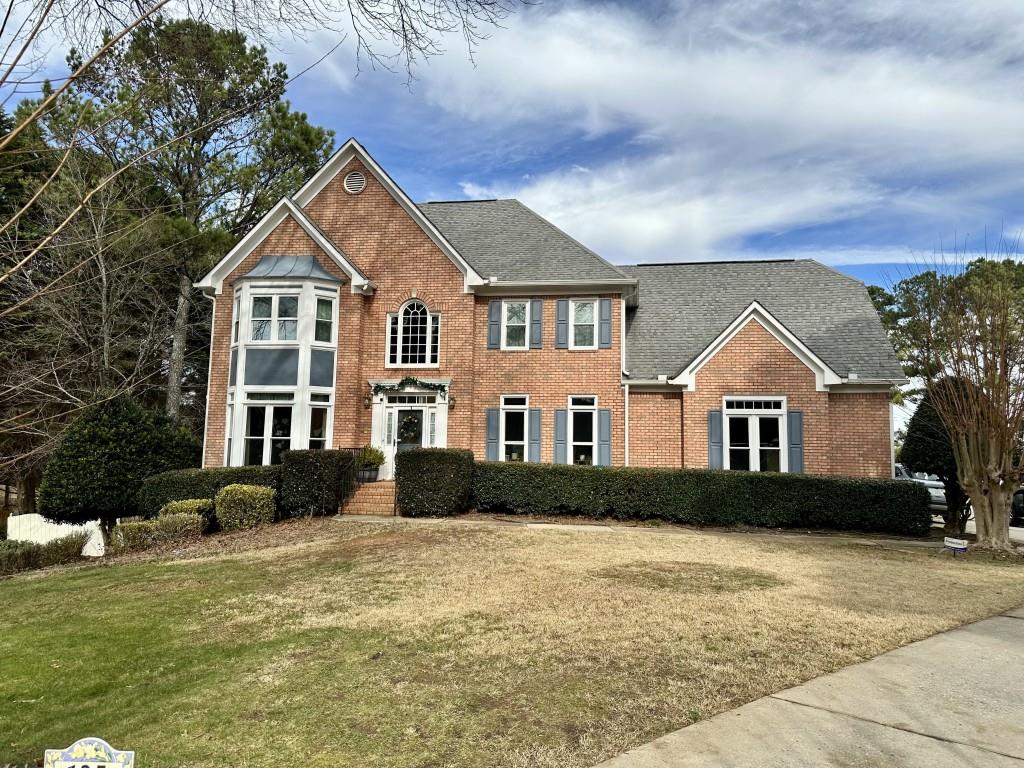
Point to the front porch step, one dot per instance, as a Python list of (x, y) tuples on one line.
[(371, 499)]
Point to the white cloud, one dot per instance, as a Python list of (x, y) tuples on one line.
[(724, 120)]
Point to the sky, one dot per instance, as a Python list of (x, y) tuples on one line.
[(867, 135)]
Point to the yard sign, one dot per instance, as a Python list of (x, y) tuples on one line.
[(88, 753)]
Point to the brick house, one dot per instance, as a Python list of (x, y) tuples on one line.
[(350, 316)]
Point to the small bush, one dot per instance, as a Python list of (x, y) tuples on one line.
[(201, 507), (244, 506), (18, 556), (369, 456), (315, 482), (432, 482), (166, 529), (703, 497), (158, 490)]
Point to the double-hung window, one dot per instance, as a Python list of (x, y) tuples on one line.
[(515, 320), (324, 330), (515, 427), (754, 434), (274, 318), (583, 429), (582, 324), (414, 337), (318, 413)]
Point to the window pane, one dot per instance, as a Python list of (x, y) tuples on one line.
[(254, 452), (513, 400), (256, 419), (584, 401), (393, 346), (515, 426), (583, 454), (739, 458), (277, 447), (739, 431), (583, 312), (769, 427), (514, 452), (435, 339), (515, 314), (320, 398), (288, 306), (583, 427), (281, 423), (317, 445), (414, 334), (270, 395), (323, 330), (771, 460), (317, 424), (515, 336), (286, 330), (583, 336), (261, 306), (324, 309), (260, 330)]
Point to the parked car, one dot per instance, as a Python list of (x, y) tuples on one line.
[(936, 490), (1017, 508)]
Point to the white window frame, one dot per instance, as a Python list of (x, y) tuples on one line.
[(250, 401), (753, 415), (331, 298), (570, 436), (572, 323), (275, 318), (327, 405), (504, 325), (433, 321), (514, 408)]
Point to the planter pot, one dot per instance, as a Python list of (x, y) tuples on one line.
[(367, 474)]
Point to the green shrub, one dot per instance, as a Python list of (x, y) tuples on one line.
[(315, 482), (196, 483), (201, 507), (369, 456), (703, 497), (431, 482), (244, 506), (103, 457), (166, 529), (25, 555)]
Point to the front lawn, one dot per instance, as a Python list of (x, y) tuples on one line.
[(418, 643)]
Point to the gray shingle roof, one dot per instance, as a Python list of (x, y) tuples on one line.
[(290, 266), (684, 307), (505, 239)]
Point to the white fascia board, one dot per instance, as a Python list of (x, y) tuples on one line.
[(824, 377), (352, 149), (496, 287), (213, 281)]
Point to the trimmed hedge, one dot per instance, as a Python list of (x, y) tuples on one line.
[(18, 556), (166, 529), (431, 482), (244, 506), (315, 482), (201, 507), (703, 497), (196, 483)]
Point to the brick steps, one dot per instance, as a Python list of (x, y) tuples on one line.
[(371, 499)]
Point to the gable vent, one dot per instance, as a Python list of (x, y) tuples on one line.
[(355, 183)]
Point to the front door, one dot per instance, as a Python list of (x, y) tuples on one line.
[(410, 429)]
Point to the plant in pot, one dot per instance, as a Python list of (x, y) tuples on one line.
[(369, 461)]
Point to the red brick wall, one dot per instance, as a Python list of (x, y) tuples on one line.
[(656, 429), (860, 433)]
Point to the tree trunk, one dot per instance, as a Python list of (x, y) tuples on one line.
[(28, 484), (176, 369), (992, 518)]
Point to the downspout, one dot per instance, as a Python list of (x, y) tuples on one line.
[(626, 388), (892, 444)]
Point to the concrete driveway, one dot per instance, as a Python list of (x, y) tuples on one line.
[(1016, 534), (955, 699)]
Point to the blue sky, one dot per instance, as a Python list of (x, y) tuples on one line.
[(866, 135)]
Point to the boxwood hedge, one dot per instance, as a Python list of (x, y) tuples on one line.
[(703, 497), (183, 484), (315, 482), (433, 482)]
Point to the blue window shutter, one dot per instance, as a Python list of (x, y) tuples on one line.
[(533, 454), (604, 329), (561, 435), (562, 324), (604, 437), (536, 324), (715, 440), (494, 325), (492, 434), (795, 428)]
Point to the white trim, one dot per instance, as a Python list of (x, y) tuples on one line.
[(570, 443), (209, 375), (625, 460), (504, 325), (753, 416), (824, 376), (523, 409), (380, 408), (214, 279), (572, 322), (352, 150), (627, 287), (622, 338), (892, 443)]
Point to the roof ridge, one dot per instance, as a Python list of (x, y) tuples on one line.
[(713, 261), (451, 202)]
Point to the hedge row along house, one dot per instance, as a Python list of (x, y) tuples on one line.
[(350, 315)]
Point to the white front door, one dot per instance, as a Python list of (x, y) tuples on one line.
[(405, 420)]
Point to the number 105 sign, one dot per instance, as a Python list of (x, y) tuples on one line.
[(88, 753)]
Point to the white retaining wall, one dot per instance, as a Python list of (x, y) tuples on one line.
[(39, 530)]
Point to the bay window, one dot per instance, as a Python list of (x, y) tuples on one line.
[(264, 310)]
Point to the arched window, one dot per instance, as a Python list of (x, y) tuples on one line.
[(414, 336)]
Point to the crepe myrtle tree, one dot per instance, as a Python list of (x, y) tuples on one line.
[(974, 334)]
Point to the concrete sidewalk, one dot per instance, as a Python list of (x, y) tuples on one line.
[(955, 699)]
